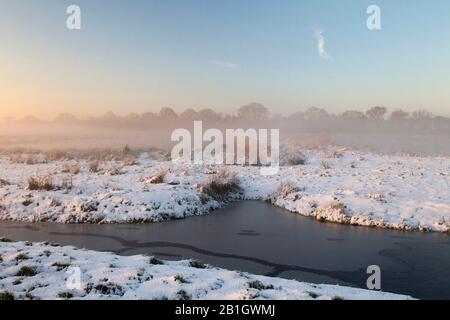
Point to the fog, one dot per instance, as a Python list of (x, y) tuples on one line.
[(417, 133)]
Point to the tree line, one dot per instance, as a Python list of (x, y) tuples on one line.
[(256, 114)]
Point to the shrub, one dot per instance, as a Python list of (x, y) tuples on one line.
[(89, 206), (26, 271), (197, 264), (325, 165), (55, 203), (3, 183), (109, 289), (94, 166), (42, 183), (22, 256), (55, 155), (286, 188), (155, 261), (60, 265), (294, 157), (71, 168), (27, 202), (116, 170), (29, 296), (31, 159), (5, 295), (337, 209), (130, 161), (179, 278), (336, 154), (159, 178), (126, 150), (65, 295), (67, 183), (182, 295), (258, 285), (46, 253), (220, 186), (33, 183)]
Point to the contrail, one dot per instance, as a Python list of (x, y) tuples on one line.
[(318, 34)]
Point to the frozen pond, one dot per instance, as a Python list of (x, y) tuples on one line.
[(259, 238)]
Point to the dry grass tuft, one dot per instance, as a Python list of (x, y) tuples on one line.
[(73, 168), (4, 183), (116, 170), (159, 178), (41, 183), (325, 165), (94, 166), (295, 158), (130, 161), (220, 186), (46, 183), (287, 188)]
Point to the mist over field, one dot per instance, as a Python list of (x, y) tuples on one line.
[(377, 129)]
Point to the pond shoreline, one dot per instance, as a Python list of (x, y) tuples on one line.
[(257, 237)]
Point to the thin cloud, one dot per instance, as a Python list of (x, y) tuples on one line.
[(318, 34), (226, 64)]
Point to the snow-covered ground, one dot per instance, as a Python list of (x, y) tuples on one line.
[(342, 186), (46, 271)]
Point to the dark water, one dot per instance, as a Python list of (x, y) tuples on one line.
[(256, 237)]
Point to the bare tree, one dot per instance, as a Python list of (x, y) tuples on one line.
[(421, 115), (167, 113), (253, 111), (376, 113), (189, 114)]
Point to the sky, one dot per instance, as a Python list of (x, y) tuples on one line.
[(141, 55)]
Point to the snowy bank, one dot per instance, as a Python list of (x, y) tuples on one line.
[(341, 186), (42, 271)]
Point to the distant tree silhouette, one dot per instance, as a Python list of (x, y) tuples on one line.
[(148, 116), (376, 113), (421, 115), (209, 115), (315, 113), (167, 113), (66, 118), (109, 117), (30, 119), (253, 111), (353, 115), (189, 114), (133, 117), (313, 120), (399, 114)]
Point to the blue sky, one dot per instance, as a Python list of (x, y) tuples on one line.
[(142, 55)]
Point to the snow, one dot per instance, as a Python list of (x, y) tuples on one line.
[(341, 186), (108, 276)]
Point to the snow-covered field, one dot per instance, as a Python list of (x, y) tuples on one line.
[(342, 186), (46, 271)]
